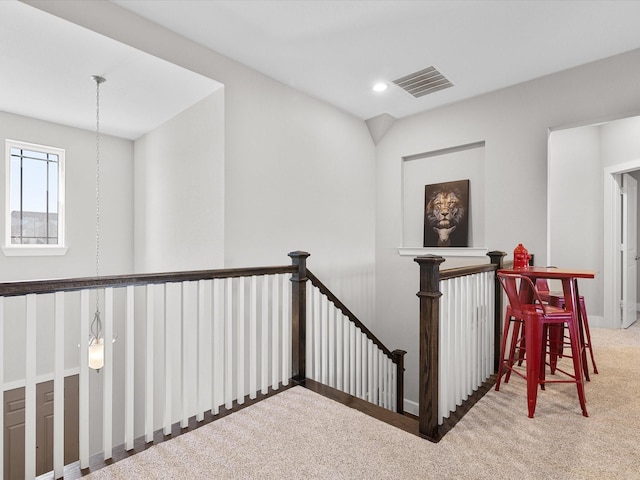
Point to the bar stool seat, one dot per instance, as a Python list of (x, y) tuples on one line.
[(537, 318)]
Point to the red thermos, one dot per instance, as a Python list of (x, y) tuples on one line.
[(520, 257)]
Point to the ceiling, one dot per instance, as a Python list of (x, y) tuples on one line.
[(38, 79), (331, 50), (335, 50)]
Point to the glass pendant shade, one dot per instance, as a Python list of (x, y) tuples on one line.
[(96, 353)]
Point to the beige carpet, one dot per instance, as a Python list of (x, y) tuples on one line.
[(298, 435)]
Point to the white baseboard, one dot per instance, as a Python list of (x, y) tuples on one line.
[(411, 407), (597, 321)]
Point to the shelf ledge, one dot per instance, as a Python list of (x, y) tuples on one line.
[(443, 251)]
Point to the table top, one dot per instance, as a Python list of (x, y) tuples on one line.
[(550, 272)]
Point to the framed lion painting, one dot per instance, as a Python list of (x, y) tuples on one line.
[(446, 214)]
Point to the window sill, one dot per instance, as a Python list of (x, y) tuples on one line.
[(34, 251)]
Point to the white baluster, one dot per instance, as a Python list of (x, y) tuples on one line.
[(169, 339), (264, 333), (286, 330), (385, 376), (365, 365), (129, 370), (352, 359), (370, 347), (317, 336), (332, 346), (217, 342), (467, 334), (228, 335), (240, 338), (30, 389), (186, 370), (394, 381), (107, 378), (309, 330), (458, 337), (202, 349), (275, 332), (240, 320), (253, 336), (444, 325), (339, 350), (58, 385), (324, 338), (358, 364), (375, 385), (149, 362)]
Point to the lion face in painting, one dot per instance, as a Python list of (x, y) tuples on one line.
[(444, 210)]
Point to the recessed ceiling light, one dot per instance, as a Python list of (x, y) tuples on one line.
[(380, 87)]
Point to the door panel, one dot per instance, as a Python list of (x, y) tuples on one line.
[(14, 428), (629, 249), (14, 434)]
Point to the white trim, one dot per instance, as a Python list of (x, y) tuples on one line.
[(411, 407), (611, 270), (444, 251), (34, 250), (10, 249), (39, 379)]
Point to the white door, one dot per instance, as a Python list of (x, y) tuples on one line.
[(629, 248)]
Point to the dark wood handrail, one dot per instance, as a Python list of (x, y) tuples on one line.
[(12, 289), (467, 270)]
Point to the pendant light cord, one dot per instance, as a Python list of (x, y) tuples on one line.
[(96, 325), (97, 177)]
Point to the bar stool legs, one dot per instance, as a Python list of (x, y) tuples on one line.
[(543, 327)]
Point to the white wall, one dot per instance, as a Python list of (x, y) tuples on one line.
[(465, 163), (514, 123), (299, 174), (179, 191), (620, 141), (576, 209), (116, 192)]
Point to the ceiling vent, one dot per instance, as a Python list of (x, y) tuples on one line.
[(423, 82)]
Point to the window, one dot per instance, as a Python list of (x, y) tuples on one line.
[(34, 205)]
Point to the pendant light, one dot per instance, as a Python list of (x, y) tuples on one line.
[(96, 339)]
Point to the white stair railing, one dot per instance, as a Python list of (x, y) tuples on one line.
[(466, 338), (343, 354)]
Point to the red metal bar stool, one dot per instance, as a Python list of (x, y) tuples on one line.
[(556, 299), (536, 317)]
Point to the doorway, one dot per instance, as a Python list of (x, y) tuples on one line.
[(620, 243), (586, 165)]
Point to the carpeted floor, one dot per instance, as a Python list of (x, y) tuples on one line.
[(299, 434)]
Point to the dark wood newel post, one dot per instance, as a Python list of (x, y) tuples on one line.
[(398, 356), (497, 259), (429, 296), (298, 316)]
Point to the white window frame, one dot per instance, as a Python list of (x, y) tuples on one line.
[(60, 248)]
